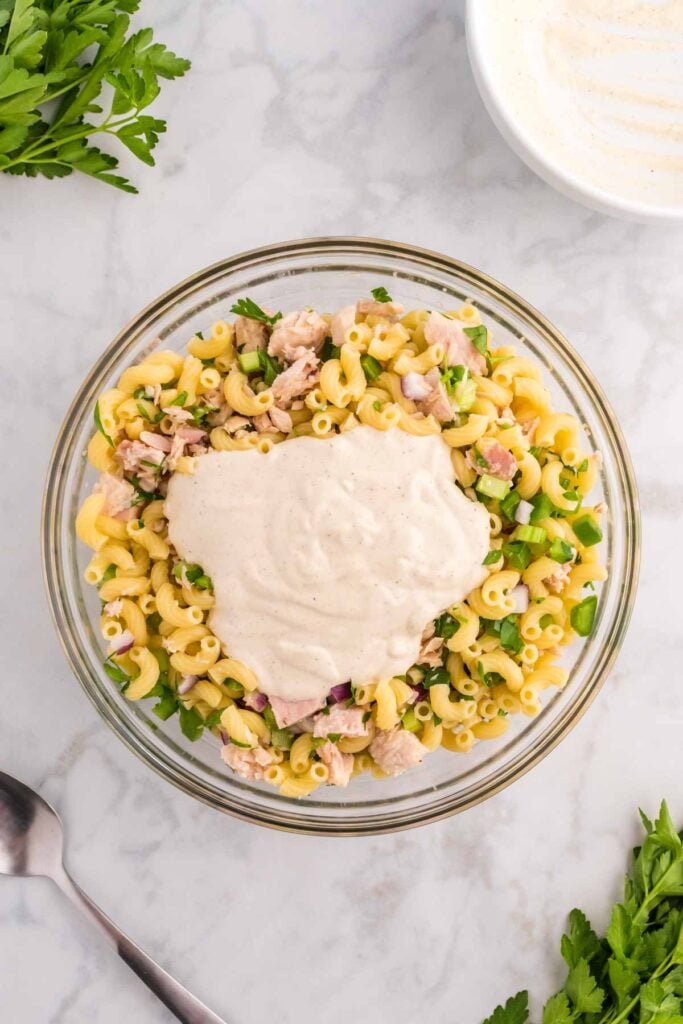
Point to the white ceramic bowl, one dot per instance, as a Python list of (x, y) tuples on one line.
[(531, 145)]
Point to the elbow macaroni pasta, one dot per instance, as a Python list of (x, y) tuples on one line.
[(492, 655)]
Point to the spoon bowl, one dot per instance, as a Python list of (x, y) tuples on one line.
[(32, 843), (31, 836)]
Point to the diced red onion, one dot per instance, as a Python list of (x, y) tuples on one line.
[(124, 642), (414, 386), (187, 684), (520, 595), (255, 701), (420, 692), (225, 739), (340, 692), (523, 512)]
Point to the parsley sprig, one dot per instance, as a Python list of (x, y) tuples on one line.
[(635, 973), (45, 48), (248, 308)]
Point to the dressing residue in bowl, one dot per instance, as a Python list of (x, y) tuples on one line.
[(596, 86)]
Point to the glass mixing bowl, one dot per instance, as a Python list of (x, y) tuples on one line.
[(328, 273)]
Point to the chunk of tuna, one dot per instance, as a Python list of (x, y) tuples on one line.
[(342, 720), (296, 380), (249, 764), (396, 750), (340, 765), (250, 334), (119, 496), (457, 345), (296, 334), (288, 712)]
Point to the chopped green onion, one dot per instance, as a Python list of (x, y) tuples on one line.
[(410, 722), (508, 505), (108, 574), (582, 616), (249, 362), (492, 486), (116, 673), (380, 294), (180, 399), (282, 739), (479, 338), (235, 689), (518, 553), (269, 717), (583, 467), (371, 368), (98, 424), (198, 334), (191, 722), (531, 534), (166, 706), (493, 557), (587, 531), (536, 451), (377, 405), (560, 551), (545, 621), (543, 508), (140, 392)]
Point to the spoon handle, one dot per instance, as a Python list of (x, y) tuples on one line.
[(186, 1007)]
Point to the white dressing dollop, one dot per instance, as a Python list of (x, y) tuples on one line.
[(329, 556)]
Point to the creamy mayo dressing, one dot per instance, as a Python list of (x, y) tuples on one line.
[(329, 556), (597, 86)]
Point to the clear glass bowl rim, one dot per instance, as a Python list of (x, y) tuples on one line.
[(293, 820)]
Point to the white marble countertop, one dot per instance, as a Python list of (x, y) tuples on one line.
[(308, 118)]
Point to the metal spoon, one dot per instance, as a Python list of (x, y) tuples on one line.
[(31, 843)]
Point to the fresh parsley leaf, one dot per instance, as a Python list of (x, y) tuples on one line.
[(557, 1010), (479, 337), (580, 942), (380, 294), (514, 1011), (271, 367), (328, 351), (56, 59), (248, 308), (434, 676), (510, 636), (636, 973), (583, 990), (446, 626)]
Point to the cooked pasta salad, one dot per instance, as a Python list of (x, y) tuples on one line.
[(370, 381)]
